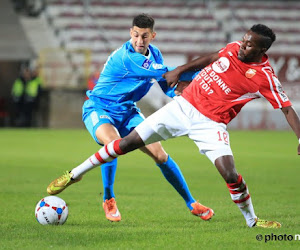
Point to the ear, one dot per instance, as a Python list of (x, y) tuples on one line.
[(153, 35)]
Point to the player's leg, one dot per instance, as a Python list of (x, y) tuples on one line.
[(216, 147), (167, 165), (108, 173), (170, 170), (106, 133), (99, 124), (215, 144), (173, 175), (239, 192), (212, 140), (237, 187)]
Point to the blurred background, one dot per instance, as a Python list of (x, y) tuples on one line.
[(60, 46)]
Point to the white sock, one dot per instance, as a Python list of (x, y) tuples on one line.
[(86, 166), (240, 196), (106, 154)]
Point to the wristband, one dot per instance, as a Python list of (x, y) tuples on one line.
[(299, 140)]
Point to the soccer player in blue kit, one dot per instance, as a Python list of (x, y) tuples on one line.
[(111, 113)]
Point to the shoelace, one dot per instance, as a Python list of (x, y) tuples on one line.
[(200, 207), (66, 174), (110, 204)]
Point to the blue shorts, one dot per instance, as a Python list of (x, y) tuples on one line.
[(94, 116)]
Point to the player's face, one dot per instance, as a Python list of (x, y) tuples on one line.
[(251, 49), (141, 38)]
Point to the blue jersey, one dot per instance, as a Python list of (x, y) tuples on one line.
[(127, 76)]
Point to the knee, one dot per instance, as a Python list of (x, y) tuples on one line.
[(231, 177), (106, 133), (160, 157)]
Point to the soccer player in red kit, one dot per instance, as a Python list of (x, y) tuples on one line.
[(229, 79)]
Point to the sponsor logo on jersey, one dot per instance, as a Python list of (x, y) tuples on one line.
[(250, 73), (157, 66), (221, 65), (146, 64), (95, 119), (104, 117)]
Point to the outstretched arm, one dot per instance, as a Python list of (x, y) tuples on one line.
[(293, 120), (172, 77)]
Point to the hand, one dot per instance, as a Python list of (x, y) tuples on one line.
[(180, 87), (299, 149), (172, 77)]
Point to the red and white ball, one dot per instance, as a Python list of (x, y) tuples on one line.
[(51, 210)]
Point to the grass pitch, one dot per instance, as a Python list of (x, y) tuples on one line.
[(153, 214)]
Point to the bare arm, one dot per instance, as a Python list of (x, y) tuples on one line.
[(180, 87), (293, 120), (172, 77)]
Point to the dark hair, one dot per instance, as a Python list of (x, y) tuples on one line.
[(266, 32), (143, 21)]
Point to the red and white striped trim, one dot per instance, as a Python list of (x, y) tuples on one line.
[(241, 200), (239, 191), (99, 158), (109, 152)]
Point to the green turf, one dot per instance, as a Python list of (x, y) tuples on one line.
[(153, 215)]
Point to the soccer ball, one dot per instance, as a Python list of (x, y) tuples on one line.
[(51, 210)]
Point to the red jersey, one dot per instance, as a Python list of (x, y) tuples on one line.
[(222, 88)]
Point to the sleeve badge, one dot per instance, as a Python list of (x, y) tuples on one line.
[(250, 73)]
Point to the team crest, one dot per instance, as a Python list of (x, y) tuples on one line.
[(146, 64), (250, 73)]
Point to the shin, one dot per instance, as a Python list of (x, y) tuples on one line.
[(109, 152)]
